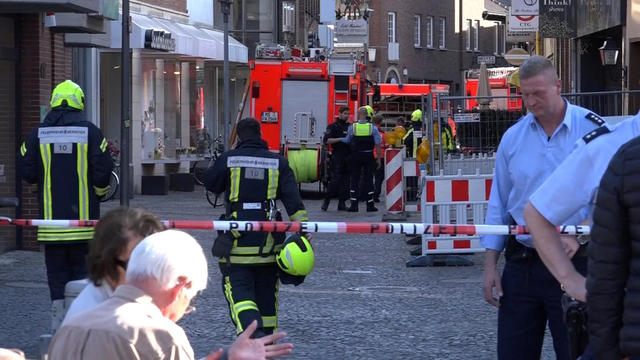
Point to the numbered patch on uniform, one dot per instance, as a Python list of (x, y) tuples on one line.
[(63, 148), (254, 173)]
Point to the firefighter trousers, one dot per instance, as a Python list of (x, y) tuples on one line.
[(252, 294), (362, 164), (338, 178), (65, 262)]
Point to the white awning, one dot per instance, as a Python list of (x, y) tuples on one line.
[(189, 40)]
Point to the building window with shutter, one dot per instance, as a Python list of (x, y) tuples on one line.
[(429, 31), (442, 27), (416, 31), (391, 23)]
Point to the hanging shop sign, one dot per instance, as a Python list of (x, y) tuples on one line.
[(557, 19)]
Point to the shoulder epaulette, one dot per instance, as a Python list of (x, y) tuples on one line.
[(596, 119), (595, 133)]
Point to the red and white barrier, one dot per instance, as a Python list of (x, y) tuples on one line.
[(463, 196), (411, 168), (394, 186), (319, 227)]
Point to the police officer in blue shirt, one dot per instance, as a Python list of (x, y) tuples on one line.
[(527, 295), (571, 188), (364, 138)]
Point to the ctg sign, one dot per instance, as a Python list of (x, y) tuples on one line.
[(159, 40), (525, 7), (523, 22)]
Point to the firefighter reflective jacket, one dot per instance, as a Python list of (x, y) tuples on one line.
[(67, 157), (251, 176), (362, 137)]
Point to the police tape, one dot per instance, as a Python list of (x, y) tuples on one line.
[(320, 227)]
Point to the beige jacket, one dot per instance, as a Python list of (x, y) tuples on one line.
[(126, 326)]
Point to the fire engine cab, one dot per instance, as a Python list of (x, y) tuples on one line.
[(499, 84), (295, 98)]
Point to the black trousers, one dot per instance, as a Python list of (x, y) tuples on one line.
[(531, 300), (252, 294), (65, 262), (338, 178), (362, 164)]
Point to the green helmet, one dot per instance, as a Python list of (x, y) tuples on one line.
[(69, 92), (370, 112), (296, 256), (416, 115)]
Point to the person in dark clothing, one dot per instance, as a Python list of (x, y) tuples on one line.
[(338, 167), (613, 284), (378, 174), (67, 157), (364, 138), (253, 178)]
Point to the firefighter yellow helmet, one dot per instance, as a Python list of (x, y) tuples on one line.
[(416, 115), (69, 93), (370, 111), (422, 154), (296, 256), (400, 131)]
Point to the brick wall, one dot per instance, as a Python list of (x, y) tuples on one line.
[(44, 63)]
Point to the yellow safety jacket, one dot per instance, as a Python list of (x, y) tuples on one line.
[(251, 177), (67, 157)]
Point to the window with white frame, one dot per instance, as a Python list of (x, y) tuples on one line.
[(416, 31), (428, 26), (391, 24), (442, 27), (469, 33), (476, 35)]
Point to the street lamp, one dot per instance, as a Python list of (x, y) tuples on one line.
[(609, 52), (226, 10)]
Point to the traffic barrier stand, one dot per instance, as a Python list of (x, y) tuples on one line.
[(411, 175), (394, 185), (461, 164), (466, 198)]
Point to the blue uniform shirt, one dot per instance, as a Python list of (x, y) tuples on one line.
[(571, 187), (377, 138), (525, 158)]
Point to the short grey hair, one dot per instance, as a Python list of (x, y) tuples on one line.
[(535, 66), (167, 255)]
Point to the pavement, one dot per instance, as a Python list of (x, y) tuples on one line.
[(360, 301)]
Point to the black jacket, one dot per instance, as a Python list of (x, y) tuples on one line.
[(67, 157), (338, 129), (613, 281), (251, 174)]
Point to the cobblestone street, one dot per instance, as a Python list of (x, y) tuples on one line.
[(360, 302)]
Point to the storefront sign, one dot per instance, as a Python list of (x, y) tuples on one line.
[(159, 40), (525, 7), (351, 31), (486, 59), (466, 117), (557, 19), (519, 23)]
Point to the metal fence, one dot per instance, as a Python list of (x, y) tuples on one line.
[(479, 130)]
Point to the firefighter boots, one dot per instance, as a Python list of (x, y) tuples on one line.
[(353, 207), (325, 204), (342, 206), (371, 207)]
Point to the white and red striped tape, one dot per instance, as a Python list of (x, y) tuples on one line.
[(320, 227), (393, 180)]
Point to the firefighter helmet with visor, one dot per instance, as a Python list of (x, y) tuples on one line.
[(68, 93)]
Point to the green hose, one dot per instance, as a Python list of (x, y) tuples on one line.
[(304, 164)]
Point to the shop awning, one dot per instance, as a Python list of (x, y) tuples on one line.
[(184, 39)]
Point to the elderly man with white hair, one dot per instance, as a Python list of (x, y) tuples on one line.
[(165, 272)]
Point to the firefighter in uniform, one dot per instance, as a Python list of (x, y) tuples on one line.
[(412, 138), (338, 167), (363, 137), (67, 157), (253, 178)]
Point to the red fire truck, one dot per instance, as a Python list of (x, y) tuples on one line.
[(499, 84), (295, 99)]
